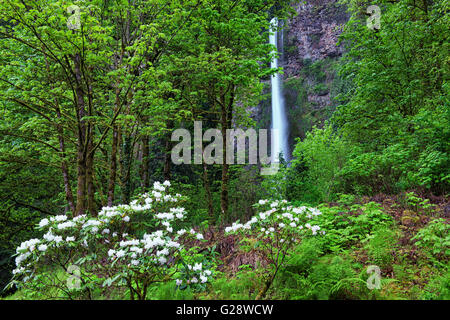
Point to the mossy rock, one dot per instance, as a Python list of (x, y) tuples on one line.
[(409, 218)]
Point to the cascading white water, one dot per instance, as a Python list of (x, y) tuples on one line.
[(279, 119)]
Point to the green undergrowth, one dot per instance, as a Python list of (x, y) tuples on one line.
[(334, 265)]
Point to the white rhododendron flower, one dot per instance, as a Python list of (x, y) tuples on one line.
[(103, 239), (197, 266), (135, 262), (162, 260), (157, 195), (59, 218), (281, 217), (120, 253), (164, 252), (65, 225), (43, 222), (49, 236)]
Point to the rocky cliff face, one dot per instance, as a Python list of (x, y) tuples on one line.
[(309, 61), (313, 34)]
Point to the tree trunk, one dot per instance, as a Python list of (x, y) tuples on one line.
[(113, 164), (62, 149), (225, 178), (145, 178), (208, 191), (226, 117), (64, 167), (167, 158), (115, 137), (126, 166), (82, 139), (262, 293), (81, 183), (90, 181), (113, 167)]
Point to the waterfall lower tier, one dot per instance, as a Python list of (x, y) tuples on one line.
[(279, 119)]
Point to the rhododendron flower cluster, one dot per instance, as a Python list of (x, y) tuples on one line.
[(280, 220), (277, 228), (108, 244)]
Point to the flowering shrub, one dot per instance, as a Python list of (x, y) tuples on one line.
[(276, 230), (132, 246)]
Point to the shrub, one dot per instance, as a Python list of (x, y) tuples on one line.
[(130, 247), (321, 155), (276, 231)]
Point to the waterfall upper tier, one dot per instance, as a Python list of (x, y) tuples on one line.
[(279, 118)]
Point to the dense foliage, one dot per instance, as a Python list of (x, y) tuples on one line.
[(391, 131), (90, 97)]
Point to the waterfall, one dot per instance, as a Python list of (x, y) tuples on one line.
[(279, 119)]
